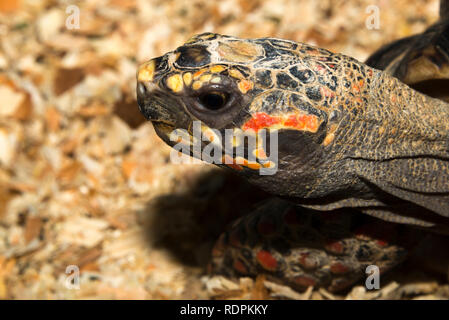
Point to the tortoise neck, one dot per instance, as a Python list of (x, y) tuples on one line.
[(405, 122), (411, 106)]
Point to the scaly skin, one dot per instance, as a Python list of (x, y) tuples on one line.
[(302, 248), (349, 137)]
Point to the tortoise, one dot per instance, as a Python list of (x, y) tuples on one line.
[(361, 169)]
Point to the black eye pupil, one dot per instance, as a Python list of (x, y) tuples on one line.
[(213, 101)]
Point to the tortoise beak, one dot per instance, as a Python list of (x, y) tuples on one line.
[(146, 102), (141, 92), (156, 104), (149, 96)]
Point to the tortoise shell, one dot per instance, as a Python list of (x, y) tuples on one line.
[(421, 61)]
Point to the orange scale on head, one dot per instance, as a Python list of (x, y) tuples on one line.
[(245, 85), (197, 74)]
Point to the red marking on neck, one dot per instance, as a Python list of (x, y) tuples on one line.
[(296, 121), (261, 120)]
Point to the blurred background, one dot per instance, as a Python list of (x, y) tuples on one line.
[(85, 182)]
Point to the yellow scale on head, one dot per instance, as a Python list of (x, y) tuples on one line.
[(216, 69), (198, 74), (196, 85), (146, 71), (235, 74), (175, 82), (187, 77), (205, 78), (198, 78), (245, 85)]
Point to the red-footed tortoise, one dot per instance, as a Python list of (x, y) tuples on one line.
[(351, 139)]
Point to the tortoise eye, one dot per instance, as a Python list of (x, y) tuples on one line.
[(213, 100)]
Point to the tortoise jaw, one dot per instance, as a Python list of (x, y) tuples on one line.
[(156, 105), (163, 130)]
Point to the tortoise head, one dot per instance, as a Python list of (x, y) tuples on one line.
[(195, 82), (248, 86)]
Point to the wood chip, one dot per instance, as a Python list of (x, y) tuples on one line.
[(82, 172)]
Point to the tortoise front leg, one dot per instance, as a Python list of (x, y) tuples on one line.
[(301, 248)]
